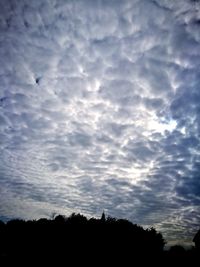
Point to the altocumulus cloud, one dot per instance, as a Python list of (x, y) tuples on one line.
[(99, 109)]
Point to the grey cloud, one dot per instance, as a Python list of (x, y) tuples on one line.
[(118, 91), (139, 151), (79, 139), (153, 103)]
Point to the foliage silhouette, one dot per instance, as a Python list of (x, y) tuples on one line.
[(196, 240), (76, 237)]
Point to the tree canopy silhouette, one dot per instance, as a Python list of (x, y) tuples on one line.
[(77, 237), (196, 240)]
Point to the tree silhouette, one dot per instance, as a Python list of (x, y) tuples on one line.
[(196, 240), (177, 250), (103, 217), (76, 237)]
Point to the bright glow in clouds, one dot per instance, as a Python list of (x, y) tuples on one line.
[(99, 110), (157, 126)]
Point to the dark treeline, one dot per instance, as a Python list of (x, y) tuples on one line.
[(91, 241)]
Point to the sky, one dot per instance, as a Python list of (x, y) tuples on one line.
[(99, 110)]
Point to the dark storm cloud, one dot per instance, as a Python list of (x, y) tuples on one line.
[(99, 109)]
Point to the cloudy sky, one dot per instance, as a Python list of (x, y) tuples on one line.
[(100, 110)]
